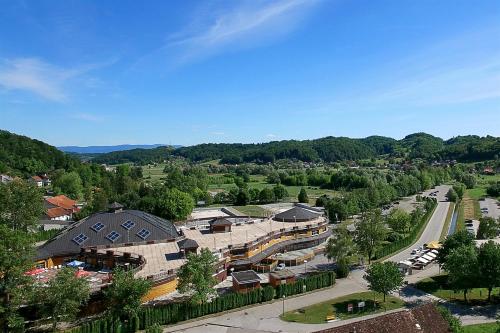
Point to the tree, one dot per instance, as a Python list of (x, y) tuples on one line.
[(489, 266), (399, 220), (243, 197), (370, 232), (493, 190), (459, 190), (302, 197), (16, 253), (488, 228), (196, 276), (124, 295), (21, 205), (458, 239), (69, 184), (337, 210), (452, 195), (174, 204), (384, 277), (339, 248), (462, 267), (280, 192), (62, 298), (266, 195)]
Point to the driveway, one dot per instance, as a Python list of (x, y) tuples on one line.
[(433, 228)]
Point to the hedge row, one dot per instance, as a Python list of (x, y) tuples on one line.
[(409, 239), (172, 313)]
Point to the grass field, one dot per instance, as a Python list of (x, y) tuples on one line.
[(437, 286), (482, 328), (250, 210), (317, 313), (153, 173)]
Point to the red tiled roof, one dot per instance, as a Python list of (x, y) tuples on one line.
[(57, 212), (63, 202), (36, 178), (421, 319)]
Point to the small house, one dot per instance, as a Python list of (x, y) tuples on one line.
[(245, 281), (187, 246), (220, 225), (285, 276)]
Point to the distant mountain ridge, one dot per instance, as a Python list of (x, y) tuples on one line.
[(109, 149)]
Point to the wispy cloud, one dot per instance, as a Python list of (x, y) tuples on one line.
[(246, 25), (271, 136), (40, 78), (87, 117)]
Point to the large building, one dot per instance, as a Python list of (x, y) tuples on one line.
[(155, 248)]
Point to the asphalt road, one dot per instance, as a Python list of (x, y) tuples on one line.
[(434, 227), (492, 205)]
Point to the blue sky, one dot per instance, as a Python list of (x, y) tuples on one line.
[(187, 72)]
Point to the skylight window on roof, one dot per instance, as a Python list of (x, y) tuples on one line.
[(144, 233), (128, 225), (113, 236), (97, 227), (80, 239)]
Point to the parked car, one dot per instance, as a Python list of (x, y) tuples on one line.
[(280, 267)]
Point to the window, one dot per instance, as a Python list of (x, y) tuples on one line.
[(80, 239), (113, 236), (144, 233), (128, 225), (97, 227)]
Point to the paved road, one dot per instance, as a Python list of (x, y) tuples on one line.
[(492, 205), (433, 228)]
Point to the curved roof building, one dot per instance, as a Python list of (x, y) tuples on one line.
[(296, 214)]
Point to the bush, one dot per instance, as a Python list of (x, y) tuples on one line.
[(155, 328), (455, 323), (342, 270)]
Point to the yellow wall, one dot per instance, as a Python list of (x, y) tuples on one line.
[(160, 290)]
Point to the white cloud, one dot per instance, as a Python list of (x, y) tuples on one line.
[(248, 24), (271, 136), (39, 77)]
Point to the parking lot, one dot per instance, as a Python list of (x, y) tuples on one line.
[(490, 207)]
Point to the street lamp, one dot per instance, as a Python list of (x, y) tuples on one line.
[(284, 305), (305, 267)]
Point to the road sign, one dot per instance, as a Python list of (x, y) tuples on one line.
[(350, 307)]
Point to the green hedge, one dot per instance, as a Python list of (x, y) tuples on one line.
[(409, 239), (176, 312)]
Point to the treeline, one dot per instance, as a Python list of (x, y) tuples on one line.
[(22, 156), (329, 149)]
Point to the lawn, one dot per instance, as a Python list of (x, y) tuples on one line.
[(250, 210), (437, 286), (317, 313), (482, 328)]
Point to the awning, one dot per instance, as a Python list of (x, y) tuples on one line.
[(422, 260), (434, 252), (431, 254), (405, 263), (426, 257)]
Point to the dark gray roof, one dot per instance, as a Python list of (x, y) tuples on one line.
[(245, 277), (283, 274), (301, 215), (187, 244), (219, 221), (115, 205), (97, 227)]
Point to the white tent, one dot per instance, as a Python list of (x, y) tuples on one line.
[(427, 257), (430, 254), (405, 263), (423, 261)]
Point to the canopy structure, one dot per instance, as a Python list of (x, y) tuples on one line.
[(427, 257), (405, 263), (431, 254), (423, 261), (75, 263), (434, 245)]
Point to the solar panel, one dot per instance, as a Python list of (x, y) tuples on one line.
[(80, 239), (97, 227), (144, 233), (113, 236), (128, 225)]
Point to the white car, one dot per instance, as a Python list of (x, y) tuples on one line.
[(280, 267)]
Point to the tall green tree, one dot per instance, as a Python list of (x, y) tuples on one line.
[(339, 248), (124, 295), (69, 184), (489, 266), (370, 232), (451, 195), (399, 220), (21, 205), (280, 192), (462, 267), (303, 197), (384, 277), (458, 239), (174, 204), (488, 228), (196, 276), (63, 296)]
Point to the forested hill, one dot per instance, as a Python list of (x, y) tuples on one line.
[(329, 149), (20, 155)]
